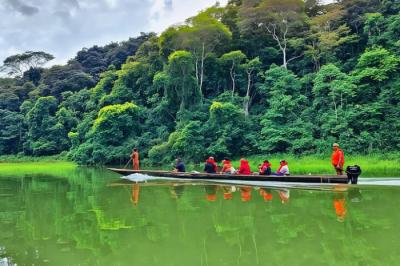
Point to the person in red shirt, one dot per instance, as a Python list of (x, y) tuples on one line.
[(337, 159), (244, 168), (265, 168)]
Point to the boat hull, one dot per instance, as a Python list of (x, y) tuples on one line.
[(204, 176)]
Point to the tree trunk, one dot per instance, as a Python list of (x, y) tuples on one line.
[(233, 79), (202, 69), (246, 101), (335, 105), (284, 58)]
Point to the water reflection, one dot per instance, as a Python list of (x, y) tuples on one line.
[(340, 194), (84, 218)]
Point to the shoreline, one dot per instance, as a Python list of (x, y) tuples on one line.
[(373, 165)]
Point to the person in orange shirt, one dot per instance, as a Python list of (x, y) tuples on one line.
[(338, 159), (227, 167), (135, 159)]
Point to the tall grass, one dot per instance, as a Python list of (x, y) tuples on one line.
[(23, 158), (374, 165), (30, 168)]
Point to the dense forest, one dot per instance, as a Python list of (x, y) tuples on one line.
[(253, 77)]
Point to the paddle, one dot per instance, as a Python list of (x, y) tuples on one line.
[(127, 163)]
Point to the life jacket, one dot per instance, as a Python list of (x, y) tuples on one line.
[(211, 166), (265, 169), (244, 168), (337, 156), (226, 167), (283, 164)]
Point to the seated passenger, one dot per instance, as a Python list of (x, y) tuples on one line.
[(265, 168), (283, 169), (227, 167), (179, 166), (244, 168), (211, 166)]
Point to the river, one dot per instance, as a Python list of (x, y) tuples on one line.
[(88, 216)]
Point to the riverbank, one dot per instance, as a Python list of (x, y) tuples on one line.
[(373, 165)]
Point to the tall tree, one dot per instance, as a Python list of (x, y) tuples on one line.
[(283, 20), (233, 60), (16, 65), (251, 67), (182, 82), (202, 34), (326, 35)]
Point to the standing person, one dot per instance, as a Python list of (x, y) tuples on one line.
[(283, 169), (244, 168), (337, 159), (179, 166), (135, 159), (265, 168), (210, 166)]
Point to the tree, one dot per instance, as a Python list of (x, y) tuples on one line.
[(182, 83), (233, 60), (376, 65), (251, 68), (59, 79), (111, 136), (326, 35), (284, 128), (283, 20), (332, 92), (11, 131), (45, 135), (16, 65), (202, 34), (228, 131)]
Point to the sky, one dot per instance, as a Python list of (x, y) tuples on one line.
[(63, 27)]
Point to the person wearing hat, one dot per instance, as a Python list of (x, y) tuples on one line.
[(337, 159)]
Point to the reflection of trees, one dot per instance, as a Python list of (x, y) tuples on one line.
[(79, 220)]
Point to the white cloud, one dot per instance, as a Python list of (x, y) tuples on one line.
[(63, 27), (161, 17)]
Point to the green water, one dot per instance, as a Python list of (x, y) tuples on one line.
[(88, 217)]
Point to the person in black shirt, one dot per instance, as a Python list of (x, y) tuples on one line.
[(179, 166), (210, 166)]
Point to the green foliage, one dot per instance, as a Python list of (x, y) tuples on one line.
[(45, 136), (11, 131), (211, 86), (111, 136), (376, 64), (284, 126)]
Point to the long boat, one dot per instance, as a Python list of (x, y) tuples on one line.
[(253, 177)]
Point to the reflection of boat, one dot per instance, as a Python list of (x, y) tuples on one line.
[(205, 176)]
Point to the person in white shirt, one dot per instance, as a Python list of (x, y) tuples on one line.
[(283, 169)]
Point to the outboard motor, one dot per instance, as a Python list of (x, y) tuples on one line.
[(352, 173)]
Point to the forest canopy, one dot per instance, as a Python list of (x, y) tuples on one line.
[(253, 77)]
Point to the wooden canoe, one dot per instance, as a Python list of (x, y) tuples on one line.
[(254, 177)]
